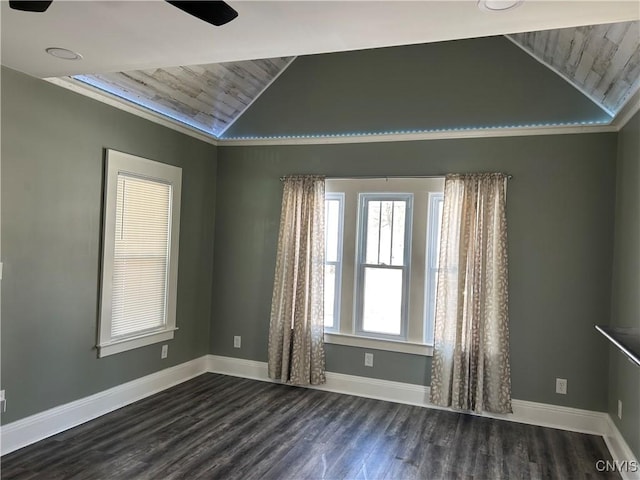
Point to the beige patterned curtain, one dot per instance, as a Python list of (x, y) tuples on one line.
[(470, 368), (296, 331)]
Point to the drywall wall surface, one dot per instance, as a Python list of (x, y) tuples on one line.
[(560, 215), (624, 377), (53, 144), (481, 82)]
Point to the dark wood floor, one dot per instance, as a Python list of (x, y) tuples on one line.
[(216, 426)]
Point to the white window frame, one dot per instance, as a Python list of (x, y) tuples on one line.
[(416, 338), (336, 196), (122, 163), (436, 201), (361, 264)]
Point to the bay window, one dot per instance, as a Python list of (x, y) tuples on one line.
[(380, 282)]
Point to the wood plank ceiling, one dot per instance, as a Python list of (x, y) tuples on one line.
[(206, 97), (603, 61)]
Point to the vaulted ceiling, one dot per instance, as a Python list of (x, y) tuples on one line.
[(206, 97), (602, 61), (151, 55)]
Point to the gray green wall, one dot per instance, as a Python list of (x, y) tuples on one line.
[(561, 223), (560, 214), (624, 377), (53, 145), (480, 82)]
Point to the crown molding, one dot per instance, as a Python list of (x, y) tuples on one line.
[(418, 136), (628, 110), (117, 102)]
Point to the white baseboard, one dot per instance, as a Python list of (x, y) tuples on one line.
[(621, 452), (336, 382), (36, 427), (42, 425), (532, 413)]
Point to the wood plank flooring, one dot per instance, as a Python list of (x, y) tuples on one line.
[(221, 427)]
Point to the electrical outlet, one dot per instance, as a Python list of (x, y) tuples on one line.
[(620, 409), (3, 401), (237, 341), (561, 386), (165, 351), (368, 359)]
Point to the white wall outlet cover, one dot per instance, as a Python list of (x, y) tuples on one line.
[(368, 359), (561, 386), (165, 351), (620, 409), (237, 341)]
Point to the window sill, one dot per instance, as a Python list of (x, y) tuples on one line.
[(118, 346), (378, 344)]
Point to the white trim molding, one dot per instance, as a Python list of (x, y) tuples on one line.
[(630, 108), (114, 101), (337, 338), (621, 453), (454, 133), (620, 120), (37, 427), (437, 134), (532, 413)]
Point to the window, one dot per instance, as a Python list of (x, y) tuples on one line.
[(140, 253), (383, 293), (433, 245), (333, 259), (384, 231)]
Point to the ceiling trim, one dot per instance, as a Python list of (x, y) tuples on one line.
[(629, 109), (266, 87), (561, 75), (418, 136), (115, 101)]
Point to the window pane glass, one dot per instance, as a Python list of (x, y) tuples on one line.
[(386, 222), (373, 232), (332, 225), (382, 305), (397, 252), (329, 294), (435, 260), (141, 255), (433, 253)]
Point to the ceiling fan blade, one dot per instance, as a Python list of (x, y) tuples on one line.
[(30, 6), (214, 12)]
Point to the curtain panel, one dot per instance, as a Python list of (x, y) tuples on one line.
[(470, 367), (296, 331)]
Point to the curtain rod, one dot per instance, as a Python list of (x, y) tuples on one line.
[(372, 177)]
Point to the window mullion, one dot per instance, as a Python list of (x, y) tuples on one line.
[(379, 228), (393, 211)]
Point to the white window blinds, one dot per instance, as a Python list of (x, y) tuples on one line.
[(140, 249), (141, 255)]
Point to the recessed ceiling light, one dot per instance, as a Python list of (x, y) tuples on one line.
[(63, 53), (498, 5)]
